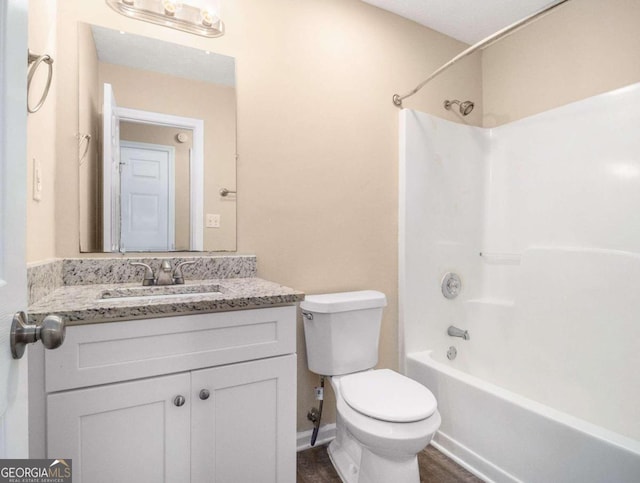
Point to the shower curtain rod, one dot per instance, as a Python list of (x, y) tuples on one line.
[(397, 99)]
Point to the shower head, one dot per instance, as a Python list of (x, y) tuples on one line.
[(465, 107)]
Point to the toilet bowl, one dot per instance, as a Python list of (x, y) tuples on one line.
[(383, 418), (374, 449)]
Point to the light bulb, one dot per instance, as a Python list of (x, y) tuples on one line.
[(208, 16), (171, 7)]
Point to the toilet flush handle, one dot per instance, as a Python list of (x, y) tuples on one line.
[(307, 315)]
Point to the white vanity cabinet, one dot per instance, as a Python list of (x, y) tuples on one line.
[(130, 431), (200, 398), (236, 432)]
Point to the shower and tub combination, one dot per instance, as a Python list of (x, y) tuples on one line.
[(538, 219), (519, 269)]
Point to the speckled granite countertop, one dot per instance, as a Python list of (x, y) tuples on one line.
[(87, 304)]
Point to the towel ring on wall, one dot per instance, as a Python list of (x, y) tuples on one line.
[(36, 60)]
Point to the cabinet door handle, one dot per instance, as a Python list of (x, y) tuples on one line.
[(204, 394), (179, 401)]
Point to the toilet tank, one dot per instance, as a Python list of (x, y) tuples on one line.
[(342, 331)]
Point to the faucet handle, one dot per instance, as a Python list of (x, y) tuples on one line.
[(149, 278), (178, 277)]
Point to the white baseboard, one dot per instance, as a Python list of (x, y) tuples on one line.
[(326, 434)]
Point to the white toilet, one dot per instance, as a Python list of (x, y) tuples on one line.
[(384, 419)]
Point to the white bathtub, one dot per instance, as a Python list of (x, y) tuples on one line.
[(503, 437)]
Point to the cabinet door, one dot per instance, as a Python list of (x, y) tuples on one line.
[(128, 432), (245, 430)]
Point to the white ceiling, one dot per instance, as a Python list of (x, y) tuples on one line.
[(154, 55), (467, 20)]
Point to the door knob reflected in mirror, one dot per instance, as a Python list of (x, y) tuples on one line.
[(51, 332)]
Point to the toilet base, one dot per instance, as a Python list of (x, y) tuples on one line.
[(345, 460), (357, 464)]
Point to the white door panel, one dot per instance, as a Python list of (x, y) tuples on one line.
[(148, 204), (13, 174)]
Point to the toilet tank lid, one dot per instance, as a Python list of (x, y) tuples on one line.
[(344, 301)]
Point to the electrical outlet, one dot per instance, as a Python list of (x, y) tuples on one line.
[(213, 221)]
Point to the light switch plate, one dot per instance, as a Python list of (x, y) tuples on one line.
[(37, 180)]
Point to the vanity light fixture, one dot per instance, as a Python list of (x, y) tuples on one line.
[(194, 16)]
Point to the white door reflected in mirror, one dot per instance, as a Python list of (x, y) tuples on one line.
[(147, 173)]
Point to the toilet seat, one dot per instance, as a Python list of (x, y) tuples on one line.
[(385, 395)]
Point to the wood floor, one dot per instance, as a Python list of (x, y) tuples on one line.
[(314, 466)]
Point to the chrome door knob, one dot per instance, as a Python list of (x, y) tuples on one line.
[(204, 394), (179, 401), (51, 332)]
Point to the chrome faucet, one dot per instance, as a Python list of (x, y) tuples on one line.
[(455, 332), (166, 276)]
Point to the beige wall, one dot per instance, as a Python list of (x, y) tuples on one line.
[(213, 103), (41, 141), (318, 143), (167, 136), (583, 48)]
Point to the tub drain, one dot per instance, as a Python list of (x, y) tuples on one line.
[(452, 353)]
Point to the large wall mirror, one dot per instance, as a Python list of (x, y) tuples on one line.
[(156, 145)]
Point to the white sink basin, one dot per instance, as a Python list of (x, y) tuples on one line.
[(159, 292)]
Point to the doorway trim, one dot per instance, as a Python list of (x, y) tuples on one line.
[(196, 166)]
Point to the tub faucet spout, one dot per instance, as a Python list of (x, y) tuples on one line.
[(455, 332)]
